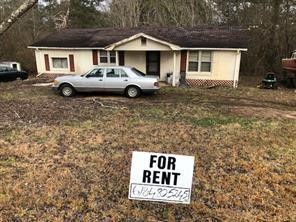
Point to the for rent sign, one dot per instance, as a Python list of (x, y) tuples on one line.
[(161, 177)]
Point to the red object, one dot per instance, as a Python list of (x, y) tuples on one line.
[(183, 61), (72, 66), (95, 57), (46, 60), (290, 64)]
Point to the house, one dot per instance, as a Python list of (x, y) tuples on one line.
[(205, 55)]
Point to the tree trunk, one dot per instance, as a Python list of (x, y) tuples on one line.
[(287, 38), (15, 15), (273, 46)]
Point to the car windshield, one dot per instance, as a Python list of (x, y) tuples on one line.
[(88, 72), (138, 72)]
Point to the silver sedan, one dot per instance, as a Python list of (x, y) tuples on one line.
[(121, 79)]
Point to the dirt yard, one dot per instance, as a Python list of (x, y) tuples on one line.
[(68, 159)]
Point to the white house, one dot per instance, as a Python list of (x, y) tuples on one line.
[(205, 55)]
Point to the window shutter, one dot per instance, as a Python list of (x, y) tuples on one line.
[(121, 58), (72, 65), (46, 60), (183, 61), (95, 57)]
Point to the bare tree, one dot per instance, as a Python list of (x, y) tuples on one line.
[(134, 13), (15, 15), (129, 12), (61, 18)]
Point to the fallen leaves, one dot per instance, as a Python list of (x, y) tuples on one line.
[(69, 159)]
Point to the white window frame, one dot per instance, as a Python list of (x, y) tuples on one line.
[(108, 58), (199, 62), (60, 57)]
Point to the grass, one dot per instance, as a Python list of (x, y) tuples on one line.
[(69, 159)]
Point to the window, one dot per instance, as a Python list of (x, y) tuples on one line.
[(143, 41), (200, 61), (60, 63), (193, 61), (103, 57), (112, 57), (116, 73), (96, 73), (107, 57), (206, 59), (123, 74), (5, 68)]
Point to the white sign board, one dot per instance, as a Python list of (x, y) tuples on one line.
[(161, 177)]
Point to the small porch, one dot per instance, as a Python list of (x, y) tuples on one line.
[(149, 55), (152, 62)]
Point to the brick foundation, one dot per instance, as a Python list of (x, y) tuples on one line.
[(209, 83)]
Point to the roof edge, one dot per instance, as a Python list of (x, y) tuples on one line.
[(104, 48), (141, 34), (61, 48), (215, 49)]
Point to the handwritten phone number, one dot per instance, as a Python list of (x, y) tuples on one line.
[(149, 192)]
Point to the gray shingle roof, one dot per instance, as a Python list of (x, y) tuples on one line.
[(207, 37)]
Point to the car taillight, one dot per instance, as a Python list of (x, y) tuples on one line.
[(156, 84)]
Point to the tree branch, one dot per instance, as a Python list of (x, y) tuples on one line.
[(15, 15)]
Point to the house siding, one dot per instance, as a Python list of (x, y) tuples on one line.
[(167, 64), (223, 73), (136, 59), (136, 45), (82, 61)]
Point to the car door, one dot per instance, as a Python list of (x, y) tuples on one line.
[(2, 73), (116, 80), (8, 74), (93, 81), (12, 74)]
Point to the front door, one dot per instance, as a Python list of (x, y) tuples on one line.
[(153, 63)]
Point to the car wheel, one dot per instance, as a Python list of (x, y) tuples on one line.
[(67, 90), (19, 79), (133, 92)]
